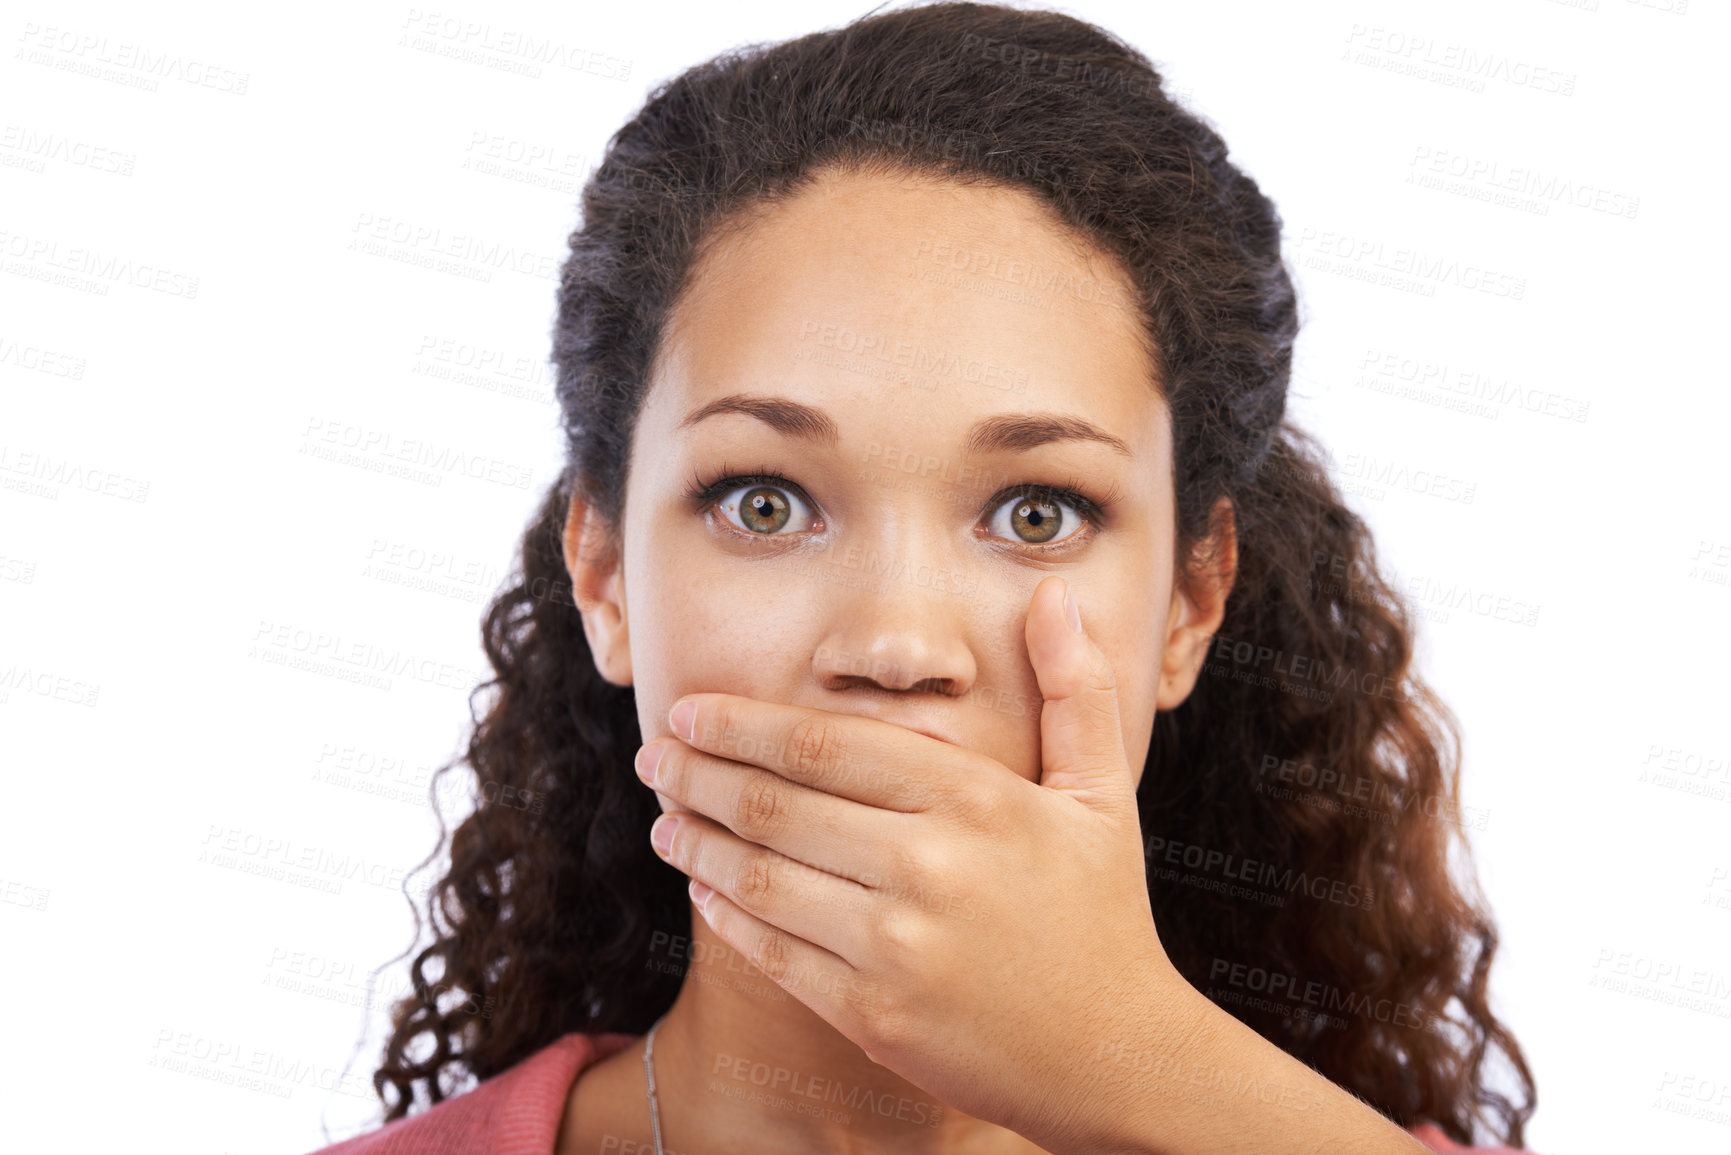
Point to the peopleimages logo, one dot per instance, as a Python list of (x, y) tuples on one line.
[(44, 474), (136, 65), (1323, 996), (1369, 258), (90, 269), (350, 444), (815, 1088), (1238, 868)]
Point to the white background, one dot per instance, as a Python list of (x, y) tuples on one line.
[(159, 731)]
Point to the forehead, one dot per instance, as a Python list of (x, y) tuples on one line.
[(938, 302)]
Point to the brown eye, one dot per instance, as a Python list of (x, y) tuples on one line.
[(1035, 519), (764, 510)]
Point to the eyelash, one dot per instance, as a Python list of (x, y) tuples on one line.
[(1094, 510)]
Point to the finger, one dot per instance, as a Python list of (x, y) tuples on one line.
[(834, 989), (813, 907), (838, 835), (1081, 737), (870, 761)]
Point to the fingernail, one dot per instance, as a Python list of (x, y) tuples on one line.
[(647, 759), (682, 717), (1075, 614), (700, 893), (661, 834)]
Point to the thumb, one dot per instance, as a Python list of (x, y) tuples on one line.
[(1081, 738)]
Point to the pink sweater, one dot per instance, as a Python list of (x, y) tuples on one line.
[(517, 1112)]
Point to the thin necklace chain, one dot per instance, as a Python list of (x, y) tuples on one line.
[(649, 1073)]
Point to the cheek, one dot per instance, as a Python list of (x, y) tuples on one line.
[(1003, 718), (712, 631), (694, 642)]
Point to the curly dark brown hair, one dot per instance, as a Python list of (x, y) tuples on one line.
[(1359, 954)]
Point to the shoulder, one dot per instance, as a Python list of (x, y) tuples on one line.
[(1433, 1137), (516, 1112)]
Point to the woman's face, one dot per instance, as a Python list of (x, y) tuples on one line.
[(906, 353)]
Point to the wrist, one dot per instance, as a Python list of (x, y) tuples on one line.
[(1194, 1080), (1150, 1072)]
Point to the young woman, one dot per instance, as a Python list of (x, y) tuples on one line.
[(1039, 738)]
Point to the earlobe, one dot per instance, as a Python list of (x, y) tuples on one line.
[(594, 560)]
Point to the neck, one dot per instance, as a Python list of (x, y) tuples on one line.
[(741, 1065)]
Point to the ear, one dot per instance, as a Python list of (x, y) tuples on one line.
[(594, 559), (1199, 596)]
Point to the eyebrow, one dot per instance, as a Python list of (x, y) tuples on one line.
[(1005, 433)]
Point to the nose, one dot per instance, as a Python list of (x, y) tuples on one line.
[(899, 635)]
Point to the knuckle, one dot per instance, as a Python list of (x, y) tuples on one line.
[(772, 955), (759, 811), (813, 743), (755, 882), (914, 863), (898, 933), (687, 850), (1102, 709), (715, 727), (670, 771), (1105, 678), (889, 1031)]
